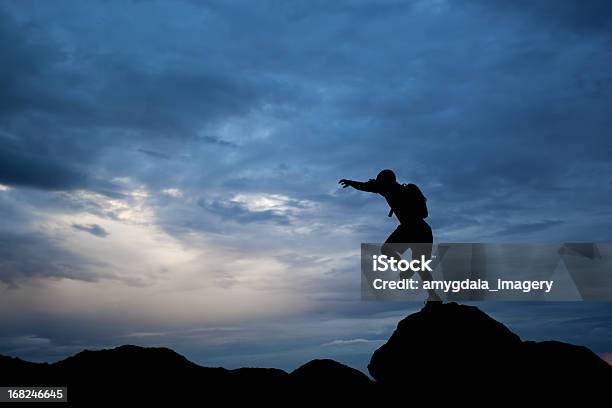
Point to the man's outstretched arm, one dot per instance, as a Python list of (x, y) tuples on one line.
[(370, 186)]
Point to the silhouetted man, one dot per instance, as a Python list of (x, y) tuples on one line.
[(409, 205)]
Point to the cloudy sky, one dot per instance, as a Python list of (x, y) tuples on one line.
[(168, 170)]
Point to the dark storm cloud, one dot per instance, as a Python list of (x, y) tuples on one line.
[(152, 153), (18, 169), (93, 229), (24, 256), (64, 105), (439, 106), (237, 212), (100, 91), (28, 56), (592, 18), (218, 141), (493, 120)]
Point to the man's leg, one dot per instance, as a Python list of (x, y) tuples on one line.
[(395, 245), (423, 247)]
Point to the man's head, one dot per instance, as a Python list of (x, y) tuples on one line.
[(386, 179)]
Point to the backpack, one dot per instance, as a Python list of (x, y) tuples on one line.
[(413, 197)]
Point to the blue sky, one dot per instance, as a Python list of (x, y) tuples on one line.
[(168, 170)]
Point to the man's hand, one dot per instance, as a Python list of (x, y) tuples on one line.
[(370, 186), (346, 183)]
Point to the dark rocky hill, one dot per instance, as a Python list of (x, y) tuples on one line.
[(444, 353)]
